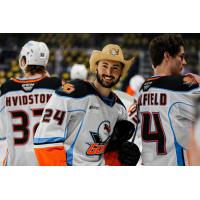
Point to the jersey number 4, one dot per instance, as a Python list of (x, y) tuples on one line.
[(158, 135)]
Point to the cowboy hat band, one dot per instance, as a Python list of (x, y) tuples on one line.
[(109, 52)]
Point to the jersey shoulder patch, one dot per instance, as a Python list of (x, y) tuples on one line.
[(50, 83), (76, 89), (9, 86), (173, 83)]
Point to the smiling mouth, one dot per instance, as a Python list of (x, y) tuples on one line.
[(108, 78)]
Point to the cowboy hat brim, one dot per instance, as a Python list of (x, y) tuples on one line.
[(98, 55)]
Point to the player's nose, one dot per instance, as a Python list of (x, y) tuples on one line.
[(184, 61), (108, 71)]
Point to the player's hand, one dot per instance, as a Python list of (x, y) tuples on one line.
[(129, 154), (122, 132), (194, 77)]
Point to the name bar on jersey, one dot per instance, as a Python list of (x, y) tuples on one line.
[(27, 99), (152, 99)]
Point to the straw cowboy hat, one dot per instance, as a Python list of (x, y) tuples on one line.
[(109, 52)]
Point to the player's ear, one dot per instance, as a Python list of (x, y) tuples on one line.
[(96, 65), (46, 73), (166, 55)]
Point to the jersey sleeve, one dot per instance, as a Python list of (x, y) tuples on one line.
[(181, 120), (181, 116), (51, 133), (2, 117), (3, 151), (3, 144), (3, 141)]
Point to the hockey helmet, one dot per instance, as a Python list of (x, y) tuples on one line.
[(35, 53), (136, 83), (78, 71)]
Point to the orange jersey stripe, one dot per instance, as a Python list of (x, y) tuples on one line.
[(51, 156), (27, 81), (151, 79), (130, 91)]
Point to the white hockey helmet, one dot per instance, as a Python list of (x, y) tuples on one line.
[(78, 71), (35, 53), (136, 82)]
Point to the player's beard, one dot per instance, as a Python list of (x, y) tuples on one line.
[(105, 84)]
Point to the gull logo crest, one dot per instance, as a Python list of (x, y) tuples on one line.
[(100, 138)]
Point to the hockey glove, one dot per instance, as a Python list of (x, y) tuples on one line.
[(129, 154)]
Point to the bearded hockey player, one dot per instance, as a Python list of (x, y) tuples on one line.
[(22, 102), (78, 122)]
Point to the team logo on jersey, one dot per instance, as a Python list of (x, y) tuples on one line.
[(68, 88), (100, 138), (28, 86), (147, 85)]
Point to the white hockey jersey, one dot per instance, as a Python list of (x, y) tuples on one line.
[(21, 106), (165, 114), (76, 126)]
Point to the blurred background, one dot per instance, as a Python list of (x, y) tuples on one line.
[(75, 48)]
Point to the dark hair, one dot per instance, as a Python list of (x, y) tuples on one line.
[(35, 69), (170, 43)]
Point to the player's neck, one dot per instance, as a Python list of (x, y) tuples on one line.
[(162, 70), (102, 90), (28, 75)]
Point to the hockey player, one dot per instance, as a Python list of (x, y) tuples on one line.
[(78, 121), (22, 102), (165, 104)]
